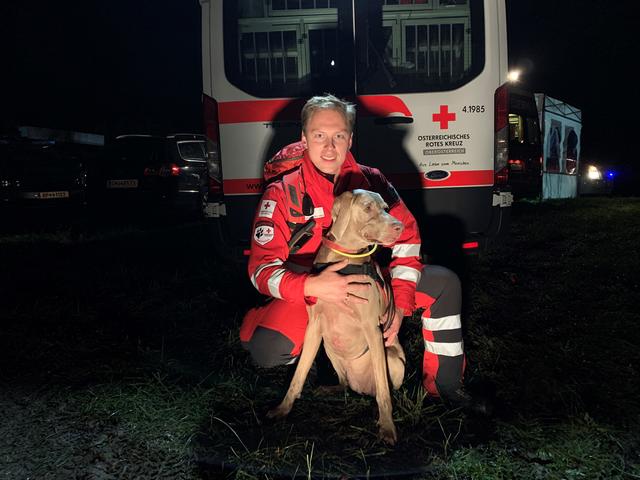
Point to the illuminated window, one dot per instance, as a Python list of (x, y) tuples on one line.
[(516, 128)]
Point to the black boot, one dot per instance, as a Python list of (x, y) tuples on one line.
[(472, 401)]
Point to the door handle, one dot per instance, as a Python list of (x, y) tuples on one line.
[(393, 120)]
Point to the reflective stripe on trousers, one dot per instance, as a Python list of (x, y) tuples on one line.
[(439, 293)]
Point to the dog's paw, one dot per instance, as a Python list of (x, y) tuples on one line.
[(281, 411), (388, 434)]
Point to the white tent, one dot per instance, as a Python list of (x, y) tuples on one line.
[(561, 125)]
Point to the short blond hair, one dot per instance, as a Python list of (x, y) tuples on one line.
[(329, 102)]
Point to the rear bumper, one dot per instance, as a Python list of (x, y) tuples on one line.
[(44, 197), (161, 198)]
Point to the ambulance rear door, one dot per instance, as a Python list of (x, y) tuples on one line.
[(426, 76)]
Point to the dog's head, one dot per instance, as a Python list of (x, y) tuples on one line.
[(360, 218)]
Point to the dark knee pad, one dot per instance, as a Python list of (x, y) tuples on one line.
[(444, 286), (269, 348), (449, 376)]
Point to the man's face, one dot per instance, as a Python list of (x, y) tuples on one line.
[(328, 140)]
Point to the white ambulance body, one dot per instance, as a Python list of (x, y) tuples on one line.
[(427, 76)]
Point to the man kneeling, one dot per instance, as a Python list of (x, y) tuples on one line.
[(287, 233)]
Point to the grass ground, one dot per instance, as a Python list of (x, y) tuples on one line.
[(119, 358)]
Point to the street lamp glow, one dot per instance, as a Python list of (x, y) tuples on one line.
[(513, 76)]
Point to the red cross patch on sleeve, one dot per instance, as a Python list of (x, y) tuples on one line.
[(267, 208), (263, 232)]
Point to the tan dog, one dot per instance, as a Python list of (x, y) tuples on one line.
[(353, 341)]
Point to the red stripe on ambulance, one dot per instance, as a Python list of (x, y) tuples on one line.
[(289, 110), (381, 105), (403, 181), (260, 111)]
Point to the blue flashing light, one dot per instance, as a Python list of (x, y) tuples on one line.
[(611, 174)]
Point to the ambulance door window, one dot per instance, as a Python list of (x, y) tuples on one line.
[(323, 50), (289, 48), (301, 4), (270, 57), (418, 46), (452, 3), (435, 51)]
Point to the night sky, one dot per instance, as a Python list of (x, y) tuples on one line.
[(582, 52), (123, 65)]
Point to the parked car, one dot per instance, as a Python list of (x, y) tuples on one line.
[(595, 179), (169, 171), (42, 172)]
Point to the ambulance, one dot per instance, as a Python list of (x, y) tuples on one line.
[(429, 81)]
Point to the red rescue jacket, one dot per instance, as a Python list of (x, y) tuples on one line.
[(276, 272)]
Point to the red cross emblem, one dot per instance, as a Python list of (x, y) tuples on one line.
[(444, 117)]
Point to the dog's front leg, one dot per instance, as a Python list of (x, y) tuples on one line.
[(312, 339), (387, 431)]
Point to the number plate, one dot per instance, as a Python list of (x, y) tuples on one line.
[(48, 195), (124, 183), (502, 199)]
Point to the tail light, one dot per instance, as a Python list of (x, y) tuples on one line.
[(212, 131), (470, 245), (501, 134), (516, 164), (171, 170), (502, 177)]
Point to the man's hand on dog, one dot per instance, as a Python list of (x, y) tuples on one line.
[(340, 290), (391, 333)]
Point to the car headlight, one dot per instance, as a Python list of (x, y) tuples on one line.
[(593, 173)]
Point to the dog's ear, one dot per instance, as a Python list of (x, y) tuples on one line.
[(341, 214), (379, 200)]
